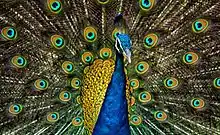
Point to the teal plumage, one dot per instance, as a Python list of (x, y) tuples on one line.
[(50, 50)]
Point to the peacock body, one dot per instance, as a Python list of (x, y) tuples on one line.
[(67, 67)]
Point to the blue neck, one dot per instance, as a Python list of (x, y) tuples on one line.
[(113, 117)]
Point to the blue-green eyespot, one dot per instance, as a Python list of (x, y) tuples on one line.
[(142, 67), (53, 117), (9, 33), (19, 61), (216, 82), (68, 67), (90, 34), (41, 84), (65, 96), (160, 116), (135, 120), (15, 108), (105, 53), (57, 41), (190, 58), (76, 83), (87, 57), (197, 103), (145, 97), (151, 40), (77, 121), (200, 25), (55, 6), (171, 83), (147, 5)]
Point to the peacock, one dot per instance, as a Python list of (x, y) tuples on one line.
[(110, 67)]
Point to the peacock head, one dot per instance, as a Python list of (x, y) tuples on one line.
[(123, 41), (123, 45)]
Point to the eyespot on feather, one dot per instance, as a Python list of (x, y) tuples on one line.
[(200, 25), (41, 84), (53, 117), (160, 116), (197, 103), (65, 96), (134, 83), (76, 83), (216, 82), (90, 34), (151, 40), (9, 33), (190, 58), (54, 6), (19, 61), (171, 83), (15, 109), (68, 67), (144, 97), (105, 53), (77, 121), (87, 57), (146, 5), (135, 120), (57, 42), (141, 67)]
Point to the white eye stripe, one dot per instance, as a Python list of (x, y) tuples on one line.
[(116, 44), (121, 48)]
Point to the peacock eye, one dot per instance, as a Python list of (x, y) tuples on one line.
[(76, 83), (57, 41), (68, 67), (9, 33), (65, 96), (90, 34), (115, 33), (141, 67), (41, 84), (160, 116), (171, 83), (87, 57), (105, 53), (197, 103), (190, 58), (19, 61), (146, 5), (135, 120), (200, 25), (15, 108), (144, 97), (53, 117), (55, 6), (134, 83), (77, 121), (216, 83), (150, 40)]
